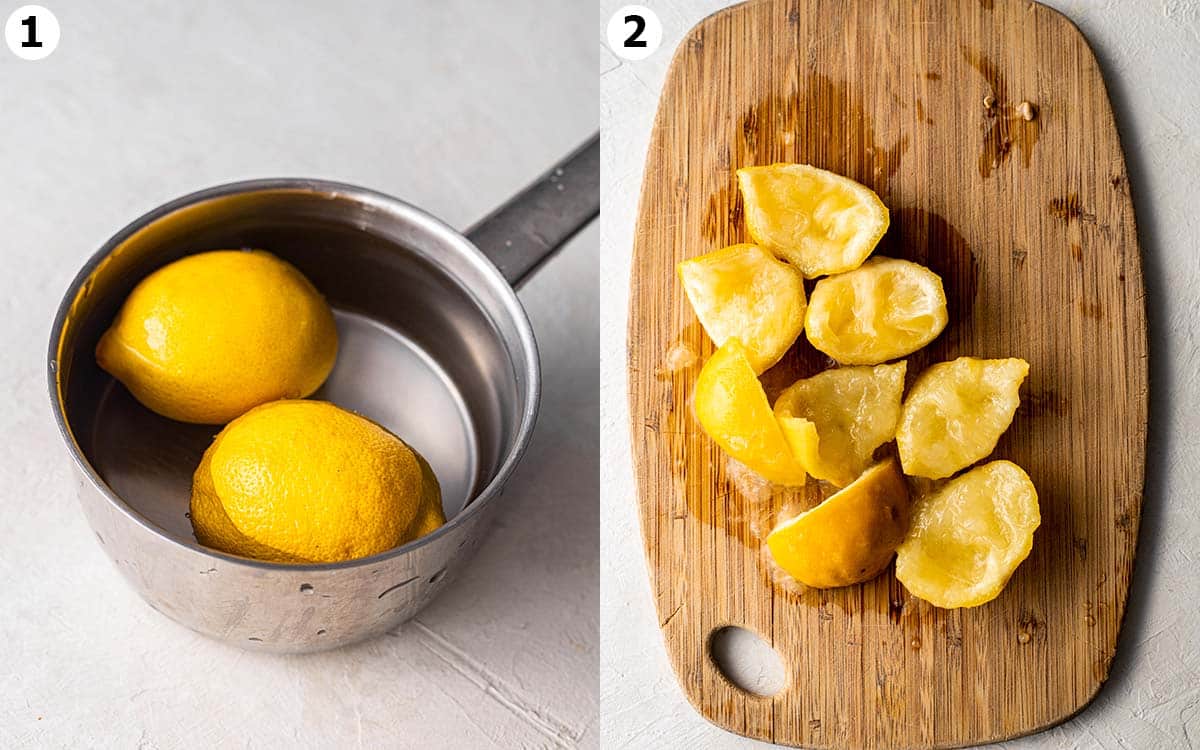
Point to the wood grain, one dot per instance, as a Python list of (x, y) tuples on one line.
[(1031, 226)]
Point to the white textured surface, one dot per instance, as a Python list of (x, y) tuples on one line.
[(1150, 56), (447, 104)]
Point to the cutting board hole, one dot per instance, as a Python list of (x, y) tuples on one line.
[(747, 661)]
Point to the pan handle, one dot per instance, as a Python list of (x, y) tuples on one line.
[(524, 232)]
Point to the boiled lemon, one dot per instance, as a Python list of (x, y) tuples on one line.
[(733, 410), (836, 419), (967, 538), (308, 482), (850, 537), (744, 291), (210, 336), (818, 221), (886, 309), (956, 412)]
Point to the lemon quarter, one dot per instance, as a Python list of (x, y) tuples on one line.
[(818, 221), (886, 309), (956, 412), (733, 410), (967, 538), (836, 419), (850, 537), (744, 291)]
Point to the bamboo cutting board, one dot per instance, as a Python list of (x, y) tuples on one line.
[(1030, 224)]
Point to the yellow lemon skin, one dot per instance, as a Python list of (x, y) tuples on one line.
[(212, 335), (956, 412), (851, 536), (836, 419), (818, 221), (885, 309), (744, 291), (308, 482), (733, 410), (968, 537)]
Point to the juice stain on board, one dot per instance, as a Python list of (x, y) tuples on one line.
[(1003, 124), (823, 124)]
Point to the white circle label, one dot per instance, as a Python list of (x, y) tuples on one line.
[(31, 32), (634, 32)]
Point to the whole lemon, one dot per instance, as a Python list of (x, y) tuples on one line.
[(308, 482), (212, 335)]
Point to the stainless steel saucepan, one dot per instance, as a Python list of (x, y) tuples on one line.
[(434, 345)]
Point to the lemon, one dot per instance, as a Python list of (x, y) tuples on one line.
[(836, 419), (744, 291), (886, 309), (818, 221), (733, 410), (210, 336), (956, 412), (850, 537), (308, 482), (968, 537)]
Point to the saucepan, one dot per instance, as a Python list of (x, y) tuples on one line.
[(434, 345)]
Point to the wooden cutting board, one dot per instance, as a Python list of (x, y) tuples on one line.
[(1030, 224)]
